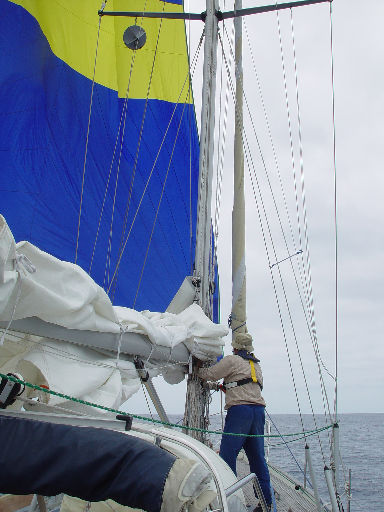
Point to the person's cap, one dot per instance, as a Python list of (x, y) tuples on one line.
[(243, 341)]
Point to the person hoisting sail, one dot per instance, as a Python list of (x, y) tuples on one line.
[(243, 382)]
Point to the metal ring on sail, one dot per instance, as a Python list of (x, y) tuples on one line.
[(134, 37)]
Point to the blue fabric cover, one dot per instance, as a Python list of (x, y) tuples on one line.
[(89, 463)]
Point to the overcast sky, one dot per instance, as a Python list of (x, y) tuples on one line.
[(359, 104)]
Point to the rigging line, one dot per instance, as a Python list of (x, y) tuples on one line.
[(194, 62), (211, 270), (218, 169), (86, 141), (322, 386), (316, 350), (222, 148), (288, 448), (149, 177), (248, 156), (288, 309), (284, 292), (123, 115), (170, 205), (282, 189), (138, 417), (220, 166), (335, 214), (305, 278), (122, 134), (220, 162), (313, 333), (203, 203), (190, 111), (304, 207), (158, 207), (270, 135), (282, 284), (274, 284), (306, 269), (279, 178), (190, 176), (314, 342), (313, 320), (287, 258), (146, 399), (113, 159), (138, 144), (127, 207), (220, 138), (176, 175)]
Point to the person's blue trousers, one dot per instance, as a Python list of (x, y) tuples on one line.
[(247, 419)]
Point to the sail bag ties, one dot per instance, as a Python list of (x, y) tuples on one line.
[(241, 382)]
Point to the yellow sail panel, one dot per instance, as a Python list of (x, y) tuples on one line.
[(71, 28), (162, 64)]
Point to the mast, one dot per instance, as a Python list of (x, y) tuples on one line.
[(196, 403), (238, 314), (204, 225)]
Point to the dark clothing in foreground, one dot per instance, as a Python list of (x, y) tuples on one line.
[(93, 464)]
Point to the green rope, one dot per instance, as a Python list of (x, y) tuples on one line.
[(143, 418)]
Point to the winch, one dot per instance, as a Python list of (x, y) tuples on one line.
[(10, 389)]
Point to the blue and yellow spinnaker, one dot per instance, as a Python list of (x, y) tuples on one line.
[(142, 131)]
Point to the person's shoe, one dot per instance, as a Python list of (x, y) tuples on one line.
[(260, 509)]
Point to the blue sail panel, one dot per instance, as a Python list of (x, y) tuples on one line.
[(139, 194)]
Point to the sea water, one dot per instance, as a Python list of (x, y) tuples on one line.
[(362, 452), (361, 446)]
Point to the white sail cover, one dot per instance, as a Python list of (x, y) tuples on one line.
[(36, 284)]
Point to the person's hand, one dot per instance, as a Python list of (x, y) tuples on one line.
[(212, 386)]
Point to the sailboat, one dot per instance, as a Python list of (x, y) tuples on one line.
[(105, 178)]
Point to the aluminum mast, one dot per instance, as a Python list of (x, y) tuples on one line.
[(196, 404), (238, 314)]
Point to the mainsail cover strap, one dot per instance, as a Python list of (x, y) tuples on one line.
[(89, 463)]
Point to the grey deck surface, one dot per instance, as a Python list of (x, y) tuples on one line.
[(290, 496)]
